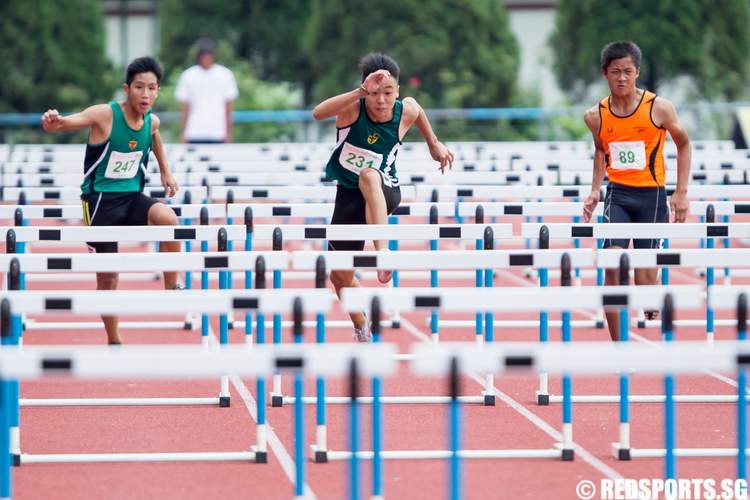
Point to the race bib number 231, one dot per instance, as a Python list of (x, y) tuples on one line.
[(355, 159)]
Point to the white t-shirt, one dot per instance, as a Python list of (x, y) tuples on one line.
[(206, 91)]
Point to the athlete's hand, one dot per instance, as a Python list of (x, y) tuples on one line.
[(679, 204), (589, 205), (373, 80), (51, 120), (440, 153), (169, 184)]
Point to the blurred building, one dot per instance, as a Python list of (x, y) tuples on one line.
[(132, 28)]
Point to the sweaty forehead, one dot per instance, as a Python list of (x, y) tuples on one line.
[(389, 83), (147, 78), (622, 63)]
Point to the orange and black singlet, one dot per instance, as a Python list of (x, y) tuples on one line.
[(633, 144)]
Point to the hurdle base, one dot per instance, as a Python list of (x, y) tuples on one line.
[(489, 399), (16, 459), (277, 400), (319, 456), (568, 455), (621, 453), (261, 457), (542, 399), (599, 324), (224, 401)]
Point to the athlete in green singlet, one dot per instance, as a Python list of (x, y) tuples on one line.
[(371, 122), (121, 137)]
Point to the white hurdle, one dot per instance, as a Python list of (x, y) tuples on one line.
[(512, 300), (146, 302)]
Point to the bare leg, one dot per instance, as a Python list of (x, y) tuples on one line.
[(108, 281), (344, 279), (611, 277), (376, 210), (161, 215), (648, 276)]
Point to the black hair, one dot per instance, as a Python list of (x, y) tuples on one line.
[(143, 65), (618, 50), (375, 61)]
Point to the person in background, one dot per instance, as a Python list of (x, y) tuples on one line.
[(206, 91)]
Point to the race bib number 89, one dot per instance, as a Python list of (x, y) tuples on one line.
[(628, 155), (123, 165), (355, 159)]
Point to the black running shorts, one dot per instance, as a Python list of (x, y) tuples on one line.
[(115, 209), (349, 208), (627, 204)]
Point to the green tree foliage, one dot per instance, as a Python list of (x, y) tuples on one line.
[(182, 22), (271, 40), (454, 53), (707, 40), (52, 55)]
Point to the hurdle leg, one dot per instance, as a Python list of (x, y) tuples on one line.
[(377, 439), (741, 393), (261, 447), (542, 395), (12, 389), (248, 286), (489, 335), (622, 449), (230, 317), (478, 276), (204, 286), (434, 284), (600, 279), (5, 457), (725, 241), (396, 280), (299, 435), (320, 450), (224, 395), (353, 431), (670, 471), (454, 426), (567, 394), (277, 397), (709, 309)]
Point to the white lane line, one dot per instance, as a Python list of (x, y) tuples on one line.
[(526, 413), (285, 460)]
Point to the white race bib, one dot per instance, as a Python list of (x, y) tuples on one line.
[(627, 155), (123, 165), (355, 159)]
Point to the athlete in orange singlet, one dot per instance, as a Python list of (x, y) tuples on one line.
[(629, 129)]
